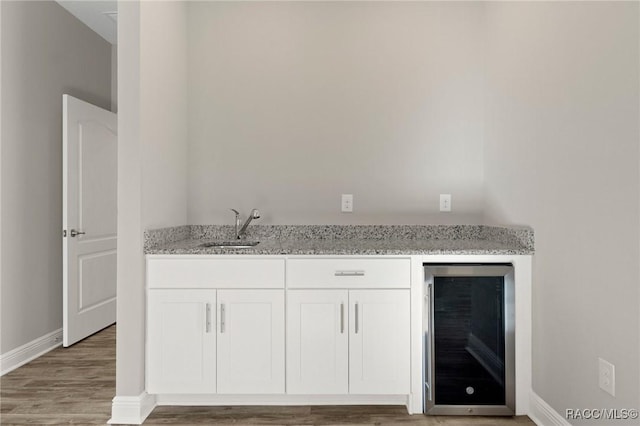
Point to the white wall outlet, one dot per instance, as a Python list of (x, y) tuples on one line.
[(347, 203), (445, 202), (607, 376)]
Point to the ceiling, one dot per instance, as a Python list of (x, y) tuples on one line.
[(100, 16)]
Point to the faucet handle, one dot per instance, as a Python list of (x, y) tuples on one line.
[(236, 212)]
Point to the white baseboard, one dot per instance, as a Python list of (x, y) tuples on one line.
[(30, 351), (132, 410), (280, 399), (543, 414)]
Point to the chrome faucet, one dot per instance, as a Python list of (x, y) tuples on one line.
[(255, 214)]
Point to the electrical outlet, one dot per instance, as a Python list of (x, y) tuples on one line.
[(347, 203), (445, 202), (607, 376)]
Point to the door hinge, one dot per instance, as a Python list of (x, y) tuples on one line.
[(64, 233)]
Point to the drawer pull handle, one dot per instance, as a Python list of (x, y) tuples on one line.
[(208, 318), (222, 318), (349, 274), (342, 318)]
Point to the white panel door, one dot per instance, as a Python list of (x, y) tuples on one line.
[(379, 355), (250, 341), (317, 342), (181, 341), (89, 219)]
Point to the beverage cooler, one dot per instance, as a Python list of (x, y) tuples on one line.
[(469, 357)]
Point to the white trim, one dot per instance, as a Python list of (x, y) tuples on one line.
[(30, 351), (132, 409), (280, 399), (543, 414), (415, 401)]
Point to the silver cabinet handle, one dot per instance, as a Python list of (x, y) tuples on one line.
[(357, 322), (222, 318), (73, 233), (341, 318), (349, 274), (208, 318)]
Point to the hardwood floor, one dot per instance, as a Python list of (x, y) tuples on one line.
[(318, 415), (65, 386), (76, 385)]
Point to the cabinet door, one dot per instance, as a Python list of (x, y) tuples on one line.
[(317, 342), (251, 341), (379, 355), (181, 341)]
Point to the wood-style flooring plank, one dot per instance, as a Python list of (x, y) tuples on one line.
[(76, 385)]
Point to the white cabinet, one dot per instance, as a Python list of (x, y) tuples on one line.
[(379, 351), (348, 341), (216, 325), (181, 348), (250, 341), (317, 342), (184, 356)]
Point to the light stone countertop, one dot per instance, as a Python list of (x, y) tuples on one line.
[(418, 240)]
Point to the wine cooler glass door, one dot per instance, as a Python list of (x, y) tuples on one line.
[(468, 339)]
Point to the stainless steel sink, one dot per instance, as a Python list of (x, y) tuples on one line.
[(230, 244)]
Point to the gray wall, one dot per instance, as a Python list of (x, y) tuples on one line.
[(152, 155), (292, 104), (130, 286), (45, 52), (561, 150), (163, 113), (558, 130)]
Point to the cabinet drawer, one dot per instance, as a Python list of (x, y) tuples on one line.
[(218, 273), (349, 273)]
